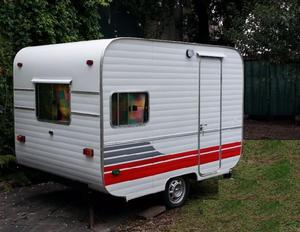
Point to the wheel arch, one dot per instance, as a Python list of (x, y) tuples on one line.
[(189, 176)]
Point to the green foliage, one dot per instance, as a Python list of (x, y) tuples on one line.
[(9, 175), (269, 29), (6, 97), (6, 160), (42, 22), (14, 179), (35, 22)]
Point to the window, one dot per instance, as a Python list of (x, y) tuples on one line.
[(129, 109), (53, 102)]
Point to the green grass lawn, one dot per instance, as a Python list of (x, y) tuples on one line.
[(263, 195)]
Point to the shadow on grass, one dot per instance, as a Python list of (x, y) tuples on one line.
[(207, 189)]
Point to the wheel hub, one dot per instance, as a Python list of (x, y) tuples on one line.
[(176, 191)]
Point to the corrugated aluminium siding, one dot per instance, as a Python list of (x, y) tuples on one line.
[(61, 153)]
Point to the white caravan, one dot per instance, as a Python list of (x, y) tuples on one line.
[(129, 117)]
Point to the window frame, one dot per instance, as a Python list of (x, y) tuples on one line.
[(66, 123), (128, 125)]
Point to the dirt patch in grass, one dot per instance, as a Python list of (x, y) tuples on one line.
[(281, 128)]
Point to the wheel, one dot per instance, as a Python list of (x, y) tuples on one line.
[(176, 192)]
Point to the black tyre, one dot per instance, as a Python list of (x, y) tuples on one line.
[(176, 192)]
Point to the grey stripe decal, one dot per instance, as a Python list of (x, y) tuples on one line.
[(131, 158), (113, 147), (128, 151)]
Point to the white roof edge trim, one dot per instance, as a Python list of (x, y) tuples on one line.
[(211, 54), (51, 81)]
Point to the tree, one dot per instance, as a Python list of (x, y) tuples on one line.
[(264, 28), (260, 28), (165, 19), (201, 11)]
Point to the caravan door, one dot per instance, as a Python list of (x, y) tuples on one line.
[(210, 114)]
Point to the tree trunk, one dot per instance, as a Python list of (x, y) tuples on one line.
[(201, 7)]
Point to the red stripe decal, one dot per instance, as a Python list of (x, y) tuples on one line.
[(231, 152), (231, 144), (153, 168), (149, 161)]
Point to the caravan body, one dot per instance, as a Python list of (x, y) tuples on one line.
[(125, 115)]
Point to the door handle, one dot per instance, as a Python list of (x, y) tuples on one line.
[(201, 128)]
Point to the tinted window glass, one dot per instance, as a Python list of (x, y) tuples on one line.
[(53, 102), (129, 108)]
